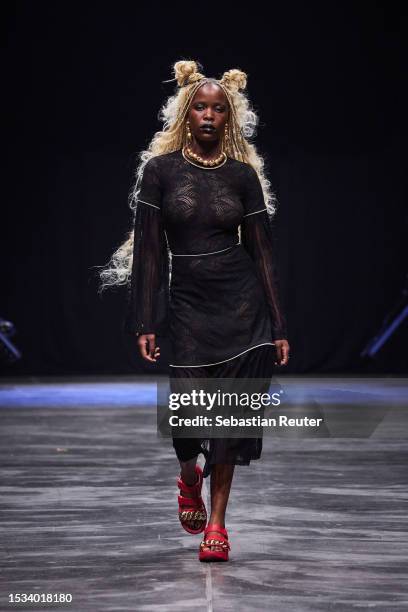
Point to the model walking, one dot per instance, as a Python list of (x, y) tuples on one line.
[(200, 267)]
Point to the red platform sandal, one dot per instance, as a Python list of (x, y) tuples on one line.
[(220, 544), (192, 508)]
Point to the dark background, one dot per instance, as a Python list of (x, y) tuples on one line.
[(83, 84)]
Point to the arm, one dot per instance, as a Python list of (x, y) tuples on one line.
[(148, 287), (258, 239)]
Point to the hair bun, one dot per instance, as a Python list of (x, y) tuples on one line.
[(186, 72), (234, 79)]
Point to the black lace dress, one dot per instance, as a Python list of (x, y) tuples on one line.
[(197, 279)]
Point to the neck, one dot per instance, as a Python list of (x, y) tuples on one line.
[(206, 150)]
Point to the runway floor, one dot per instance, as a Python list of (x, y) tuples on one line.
[(89, 508)]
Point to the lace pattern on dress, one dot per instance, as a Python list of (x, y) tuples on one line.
[(186, 223)]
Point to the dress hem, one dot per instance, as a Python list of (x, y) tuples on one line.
[(201, 365)]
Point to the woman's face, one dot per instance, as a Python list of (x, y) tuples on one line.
[(208, 113)]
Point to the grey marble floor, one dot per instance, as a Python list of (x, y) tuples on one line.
[(89, 507)]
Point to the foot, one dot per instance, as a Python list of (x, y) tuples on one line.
[(192, 515), (194, 524), (215, 545), (212, 535)]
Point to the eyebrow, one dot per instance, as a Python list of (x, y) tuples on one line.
[(204, 102)]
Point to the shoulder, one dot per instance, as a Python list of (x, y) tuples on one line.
[(248, 179), (160, 161), (252, 191), (151, 183), (245, 170)]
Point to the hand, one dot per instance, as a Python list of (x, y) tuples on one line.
[(282, 352), (148, 348)]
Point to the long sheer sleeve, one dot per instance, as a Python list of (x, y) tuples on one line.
[(147, 303), (257, 237)]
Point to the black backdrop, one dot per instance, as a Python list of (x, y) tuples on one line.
[(83, 85)]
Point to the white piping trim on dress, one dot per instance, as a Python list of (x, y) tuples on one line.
[(203, 365), (200, 254), (148, 203), (256, 211)]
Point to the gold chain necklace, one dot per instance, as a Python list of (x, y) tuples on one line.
[(200, 162)]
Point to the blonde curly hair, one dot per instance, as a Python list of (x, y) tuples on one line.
[(241, 127)]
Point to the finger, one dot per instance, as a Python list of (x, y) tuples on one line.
[(152, 346), (144, 350), (285, 355)]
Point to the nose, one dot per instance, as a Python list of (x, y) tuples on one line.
[(208, 114)]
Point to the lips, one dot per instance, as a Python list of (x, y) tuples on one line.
[(207, 127)]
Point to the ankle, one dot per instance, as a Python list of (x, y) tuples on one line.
[(190, 480), (214, 520)]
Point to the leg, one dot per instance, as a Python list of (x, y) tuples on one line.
[(221, 479), (226, 453), (187, 451), (189, 484), (255, 364), (188, 473)]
